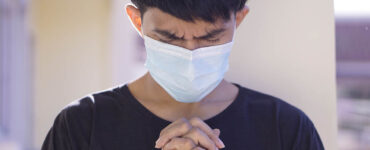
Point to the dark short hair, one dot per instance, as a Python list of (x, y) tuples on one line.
[(190, 10)]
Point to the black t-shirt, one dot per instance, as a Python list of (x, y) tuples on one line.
[(115, 120)]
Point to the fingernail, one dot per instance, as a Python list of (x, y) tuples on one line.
[(157, 143), (222, 143)]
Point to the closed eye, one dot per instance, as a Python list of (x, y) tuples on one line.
[(213, 40)]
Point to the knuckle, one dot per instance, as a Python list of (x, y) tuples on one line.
[(198, 148), (186, 127), (195, 131), (213, 136), (169, 146), (183, 119), (195, 120), (164, 138), (188, 142)]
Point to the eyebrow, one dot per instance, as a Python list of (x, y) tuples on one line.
[(168, 34), (211, 34), (172, 36)]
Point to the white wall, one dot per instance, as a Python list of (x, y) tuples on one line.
[(125, 65), (72, 56), (286, 48)]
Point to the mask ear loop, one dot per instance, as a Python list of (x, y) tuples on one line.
[(132, 24), (233, 39)]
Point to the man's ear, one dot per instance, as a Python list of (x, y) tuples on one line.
[(134, 17), (239, 16)]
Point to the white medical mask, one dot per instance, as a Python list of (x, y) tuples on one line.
[(187, 75)]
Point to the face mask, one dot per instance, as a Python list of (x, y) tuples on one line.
[(187, 75)]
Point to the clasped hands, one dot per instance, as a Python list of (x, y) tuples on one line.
[(192, 134)]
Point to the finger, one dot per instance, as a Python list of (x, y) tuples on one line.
[(200, 138), (199, 123), (179, 143), (198, 148), (217, 132), (176, 130), (175, 123)]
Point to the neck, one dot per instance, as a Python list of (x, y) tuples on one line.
[(155, 98)]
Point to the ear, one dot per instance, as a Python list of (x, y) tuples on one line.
[(134, 17), (239, 16)]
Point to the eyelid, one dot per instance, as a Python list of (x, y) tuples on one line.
[(210, 38), (165, 41), (213, 40), (172, 37)]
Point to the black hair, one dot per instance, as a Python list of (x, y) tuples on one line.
[(190, 10)]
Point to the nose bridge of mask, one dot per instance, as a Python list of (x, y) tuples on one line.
[(194, 63), (184, 53)]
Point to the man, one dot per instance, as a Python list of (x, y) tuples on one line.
[(183, 102)]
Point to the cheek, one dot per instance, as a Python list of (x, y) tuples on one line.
[(228, 37)]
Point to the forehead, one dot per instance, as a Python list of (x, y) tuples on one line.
[(154, 18)]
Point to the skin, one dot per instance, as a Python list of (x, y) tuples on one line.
[(187, 131)]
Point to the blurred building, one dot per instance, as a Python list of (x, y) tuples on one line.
[(353, 73)]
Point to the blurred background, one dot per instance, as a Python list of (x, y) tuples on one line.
[(353, 73), (313, 54)]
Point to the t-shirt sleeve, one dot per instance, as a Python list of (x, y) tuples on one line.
[(72, 127), (297, 130)]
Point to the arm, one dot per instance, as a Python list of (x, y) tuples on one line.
[(72, 127)]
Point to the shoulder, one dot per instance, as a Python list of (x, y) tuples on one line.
[(84, 107), (78, 108), (285, 114), (74, 122), (80, 112), (72, 126), (258, 100), (295, 127)]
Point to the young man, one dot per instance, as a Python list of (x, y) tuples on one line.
[(183, 102)]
